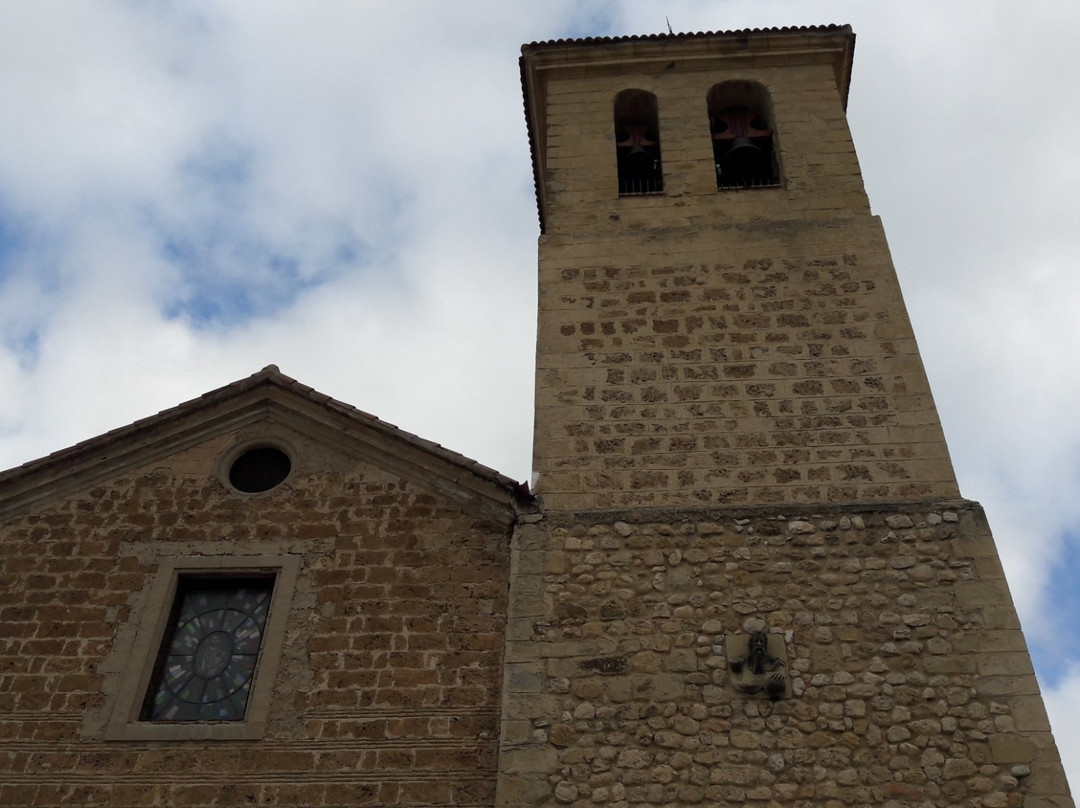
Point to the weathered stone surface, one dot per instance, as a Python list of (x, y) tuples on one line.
[(725, 349), (917, 705), (393, 651)]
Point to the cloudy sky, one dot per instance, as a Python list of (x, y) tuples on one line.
[(192, 190)]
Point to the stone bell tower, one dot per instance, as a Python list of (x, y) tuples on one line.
[(752, 579)]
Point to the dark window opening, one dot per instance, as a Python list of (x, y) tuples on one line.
[(637, 143), (259, 469), (206, 663), (742, 136)]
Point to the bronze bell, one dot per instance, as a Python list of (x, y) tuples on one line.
[(743, 160), (639, 160)]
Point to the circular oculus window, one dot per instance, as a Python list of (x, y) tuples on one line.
[(259, 469)]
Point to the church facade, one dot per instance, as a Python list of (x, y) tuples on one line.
[(743, 574)]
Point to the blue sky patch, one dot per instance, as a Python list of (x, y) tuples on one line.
[(1062, 597), (216, 291), (206, 307), (25, 344), (229, 278), (14, 239), (231, 268), (592, 19), (223, 166)]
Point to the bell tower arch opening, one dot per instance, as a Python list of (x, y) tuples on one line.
[(637, 143), (740, 125)]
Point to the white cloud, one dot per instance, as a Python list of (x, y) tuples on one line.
[(394, 130)]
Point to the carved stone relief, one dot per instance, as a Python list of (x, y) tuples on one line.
[(758, 661)]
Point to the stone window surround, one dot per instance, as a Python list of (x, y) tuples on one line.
[(270, 440), (124, 706)]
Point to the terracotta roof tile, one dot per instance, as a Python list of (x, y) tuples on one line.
[(608, 40)]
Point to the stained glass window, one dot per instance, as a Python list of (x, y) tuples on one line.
[(207, 659)]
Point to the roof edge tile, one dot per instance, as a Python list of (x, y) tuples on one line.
[(94, 450), (831, 28)]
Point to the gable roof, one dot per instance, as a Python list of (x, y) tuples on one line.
[(268, 393)]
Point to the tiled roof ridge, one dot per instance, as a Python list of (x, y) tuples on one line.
[(604, 40), (349, 410), (271, 375)]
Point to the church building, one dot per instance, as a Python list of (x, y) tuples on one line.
[(743, 572)]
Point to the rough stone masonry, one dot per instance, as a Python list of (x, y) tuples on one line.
[(750, 579)]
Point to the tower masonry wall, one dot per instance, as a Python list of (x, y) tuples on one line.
[(767, 362), (908, 679), (750, 579)]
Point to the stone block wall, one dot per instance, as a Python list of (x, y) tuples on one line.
[(737, 364), (910, 683), (387, 687)]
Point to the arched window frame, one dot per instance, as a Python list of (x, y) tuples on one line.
[(743, 135), (637, 143)]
